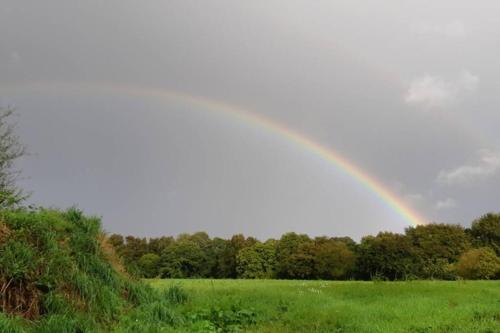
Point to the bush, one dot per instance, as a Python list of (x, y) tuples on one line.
[(480, 263)]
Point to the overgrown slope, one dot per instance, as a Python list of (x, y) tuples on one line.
[(57, 274)]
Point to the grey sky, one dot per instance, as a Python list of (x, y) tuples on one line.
[(408, 91)]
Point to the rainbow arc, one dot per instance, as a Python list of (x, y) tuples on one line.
[(254, 119)]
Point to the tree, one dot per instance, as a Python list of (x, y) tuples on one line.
[(333, 259), (11, 149), (158, 245), (219, 251), (480, 263), (134, 248), (288, 258), (117, 241), (257, 261), (438, 246), (184, 258), (486, 232), (149, 265), (300, 263), (226, 260), (387, 255)]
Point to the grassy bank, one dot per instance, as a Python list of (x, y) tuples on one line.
[(327, 306), (59, 275)]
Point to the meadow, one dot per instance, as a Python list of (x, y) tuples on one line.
[(338, 306)]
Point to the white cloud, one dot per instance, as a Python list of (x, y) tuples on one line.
[(453, 29), (446, 204), (435, 92), (430, 91), (487, 166)]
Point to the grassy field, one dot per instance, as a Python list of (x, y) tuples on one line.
[(333, 306)]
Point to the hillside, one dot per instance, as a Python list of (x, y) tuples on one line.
[(58, 274)]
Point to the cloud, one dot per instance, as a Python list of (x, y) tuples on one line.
[(430, 91), (433, 92), (487, 166), (453, 29), (446, 204)]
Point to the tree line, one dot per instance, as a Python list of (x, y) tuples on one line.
[(433, 251)]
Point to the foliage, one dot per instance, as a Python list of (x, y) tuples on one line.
[(480, 263), (184, 258), (387, 256), (423, 252), (438, 246), (149, 265), (58, 275), (289, 254), (485, 231), (333, 259), (11, 149), (256, 261)]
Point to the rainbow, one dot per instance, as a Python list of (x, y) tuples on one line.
[(328, 155)]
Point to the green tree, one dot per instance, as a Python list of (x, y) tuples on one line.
[(117, 241), (219, 251), (11, 149), (300, 264), (485, 231), (290, 263), (182, 259), (149, 265), (333, 259), (480, 263), (134, 248), (257, 261), (438, 246), (158, 245), (226, 261), (387, 255)]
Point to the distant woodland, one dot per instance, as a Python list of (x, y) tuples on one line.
[(433, 251)]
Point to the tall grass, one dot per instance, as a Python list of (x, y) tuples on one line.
[(56, 277)]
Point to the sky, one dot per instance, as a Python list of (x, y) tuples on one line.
[(408, 91)]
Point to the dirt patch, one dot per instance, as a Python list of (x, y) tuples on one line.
[(111, 256), (4, 233), (20, 298)]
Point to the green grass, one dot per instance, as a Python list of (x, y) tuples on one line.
[(334, 306), (58, 275)]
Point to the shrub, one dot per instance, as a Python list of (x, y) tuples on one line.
[(480, 263)]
